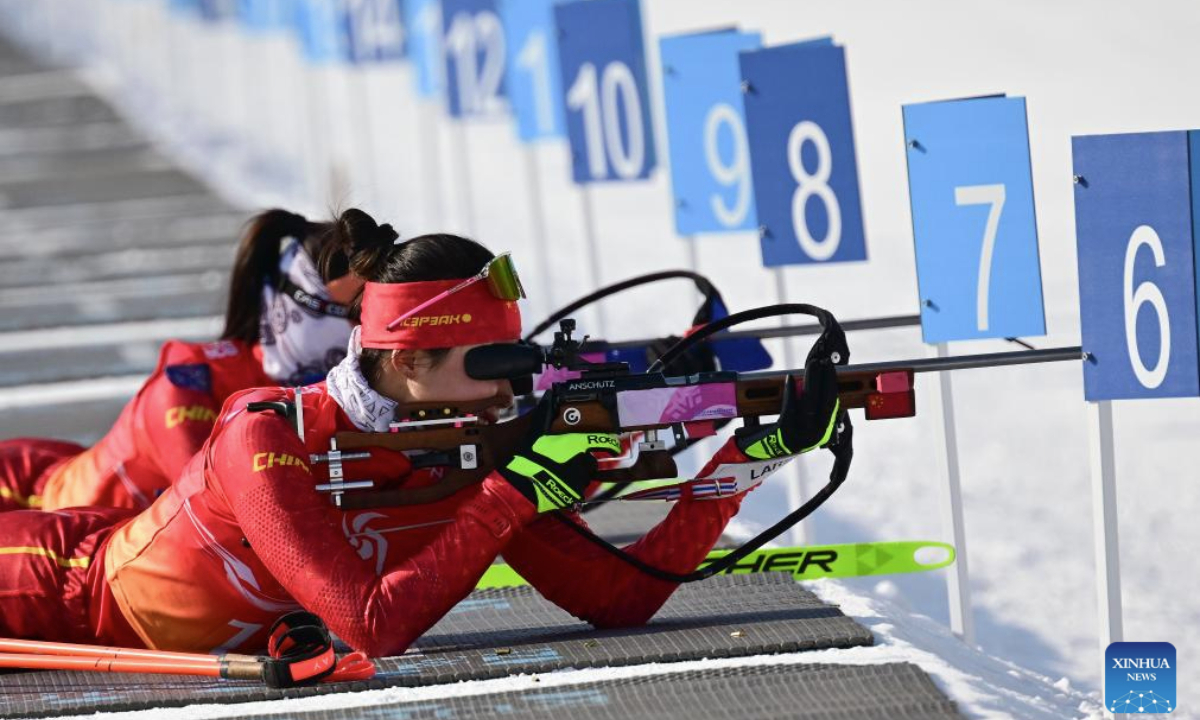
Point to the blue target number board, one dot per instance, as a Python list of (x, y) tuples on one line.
[(603, 66), (802, 156), (974, 226), (474, 44), (1136, 208), (533, 81), (184, 7), (423, 18), (374, 30), (706, 128), (320, 32), (264, 16), (218, 10)]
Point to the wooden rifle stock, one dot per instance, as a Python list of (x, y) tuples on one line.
[(487, 446)]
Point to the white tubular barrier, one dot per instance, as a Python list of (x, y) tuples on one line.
[(796, 482), (590, 240), (958, 583), (537, 219), (1104, 523)]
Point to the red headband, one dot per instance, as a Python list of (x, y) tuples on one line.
[(471, 316)]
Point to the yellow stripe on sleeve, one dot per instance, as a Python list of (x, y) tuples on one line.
[(80, 562), (33, 501)]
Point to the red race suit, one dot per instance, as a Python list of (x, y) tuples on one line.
[(244, 537), (145, 450), (52, 577)]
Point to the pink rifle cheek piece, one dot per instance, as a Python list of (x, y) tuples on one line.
[(677, 404)]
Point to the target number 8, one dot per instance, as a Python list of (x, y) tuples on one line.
[(810, 184)]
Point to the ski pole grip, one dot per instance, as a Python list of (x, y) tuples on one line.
[(301, 651), (242, 669)]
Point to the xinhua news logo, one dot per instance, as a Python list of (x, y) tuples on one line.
[(1139, 677)]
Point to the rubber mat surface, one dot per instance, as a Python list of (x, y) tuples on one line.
[(894, 691), (494, 633)]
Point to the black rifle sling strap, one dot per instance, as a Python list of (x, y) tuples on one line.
[(831, 347)]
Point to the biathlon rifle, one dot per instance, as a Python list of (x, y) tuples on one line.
[(606, 397), (600, 397)]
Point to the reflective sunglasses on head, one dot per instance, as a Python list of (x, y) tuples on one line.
[(502, 279)]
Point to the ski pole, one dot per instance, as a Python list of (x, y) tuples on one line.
[(301, 652), (251, 669), (42, 655), (42, 647)]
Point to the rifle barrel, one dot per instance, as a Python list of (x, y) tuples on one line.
[(961, 362), (882, 323)]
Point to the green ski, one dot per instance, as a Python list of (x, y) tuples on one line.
[(889, 557)]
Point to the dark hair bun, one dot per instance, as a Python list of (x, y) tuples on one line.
[(291, 224), (363, 241)]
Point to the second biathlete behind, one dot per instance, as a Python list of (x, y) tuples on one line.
[(284, 325)]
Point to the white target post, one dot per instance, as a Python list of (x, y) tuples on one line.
[(423, 19), (602, 63), (958, 578), (1106, 541), (806, 215), (970, 180), (375, 39), (712, 190), (474, 47), (704, 119), (462, 186), (430, 153), (537, 221), (592, 245), (796, 485)]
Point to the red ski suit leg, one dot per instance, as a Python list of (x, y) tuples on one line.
[(25, 464), (50, 571)]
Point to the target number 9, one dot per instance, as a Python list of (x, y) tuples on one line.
[(734, 173)]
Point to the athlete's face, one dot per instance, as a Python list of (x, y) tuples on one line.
[(447, 381)]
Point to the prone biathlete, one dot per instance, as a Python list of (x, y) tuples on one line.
[(243, 536), (283, 325)]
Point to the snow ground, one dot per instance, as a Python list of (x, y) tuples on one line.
[(1085, 67)]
